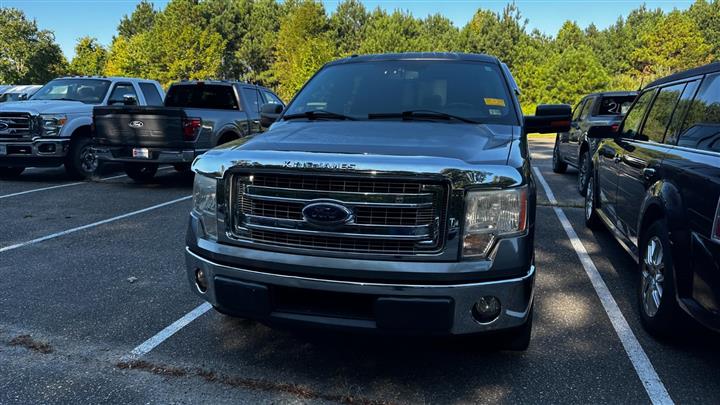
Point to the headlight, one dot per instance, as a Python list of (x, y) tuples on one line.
[(490, 215), (205, 203), (52, 123)]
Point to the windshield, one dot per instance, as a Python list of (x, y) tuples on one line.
[(88, 91), (474, 91)]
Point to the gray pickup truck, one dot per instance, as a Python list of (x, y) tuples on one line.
[(196, 116), (394, 194), (53, 127)]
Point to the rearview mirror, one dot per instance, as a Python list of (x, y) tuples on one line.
[(602, 131), (549, 118), (269, 113), (129, 99)]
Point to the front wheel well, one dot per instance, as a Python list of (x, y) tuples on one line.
[(653, 213), (82, 132)]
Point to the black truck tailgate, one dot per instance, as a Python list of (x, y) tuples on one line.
[(139, 126)]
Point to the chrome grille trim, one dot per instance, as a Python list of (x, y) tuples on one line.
[(390, 223), (20, 126)]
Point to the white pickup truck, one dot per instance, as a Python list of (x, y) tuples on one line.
[(53, 127)]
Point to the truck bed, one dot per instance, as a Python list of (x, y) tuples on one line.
[(140, 126)]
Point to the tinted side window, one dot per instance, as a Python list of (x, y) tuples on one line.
[(615, 105), (578, 110), (252, 98), (680, 111), (634, 117), (660, 113), (702, 125), (271, 98), (151, 93), (586, 109), (120, 91), (218, 97)]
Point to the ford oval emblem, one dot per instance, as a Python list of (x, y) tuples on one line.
[(136, 124), (4, 125), (324, 213)]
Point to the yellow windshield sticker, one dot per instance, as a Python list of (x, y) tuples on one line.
[(497, 102)]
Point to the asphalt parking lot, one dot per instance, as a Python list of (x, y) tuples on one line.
[(95, 307)]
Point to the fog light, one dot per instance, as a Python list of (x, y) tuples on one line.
[(200, 280), (486, 309)]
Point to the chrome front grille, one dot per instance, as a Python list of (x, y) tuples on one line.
[(15, 125), (389, 217)]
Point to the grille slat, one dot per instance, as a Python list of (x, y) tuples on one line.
[(15, 125), (394, 216)]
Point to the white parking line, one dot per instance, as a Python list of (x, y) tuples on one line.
[(66, 185), (94, 224), (164, 334), (639, 359)]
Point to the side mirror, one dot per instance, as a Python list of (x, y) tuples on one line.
[(548, 119), (23, 97), (129, 99), (603, 131), (269, 113)]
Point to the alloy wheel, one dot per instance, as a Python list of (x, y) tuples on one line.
[(589, 199), (653, 276), (88, 161)]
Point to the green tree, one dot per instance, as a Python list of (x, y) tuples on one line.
[(90, 58), (232, 20), (500, 35), (707, 17), (303, 45), (27, 54), (396, 32), (347, 25), (257, 49), (438, 34), (673, 43), (141, 20)]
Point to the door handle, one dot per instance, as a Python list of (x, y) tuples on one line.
[(649, 173), (256, 121), (617, 158)]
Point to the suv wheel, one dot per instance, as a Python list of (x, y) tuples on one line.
[(10, 172), (558, 166), (659, 310), (584, 168), (592, 220), (81, 162), (141, 172)]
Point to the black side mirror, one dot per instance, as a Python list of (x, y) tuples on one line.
[(602, 131), (269, 113), (129, 99), (548, 119)]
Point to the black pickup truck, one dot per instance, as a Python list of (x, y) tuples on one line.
[(393, 195), (196, 117)]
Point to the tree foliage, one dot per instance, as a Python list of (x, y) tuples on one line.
[(27, 54), (282, 43), (90, 58)]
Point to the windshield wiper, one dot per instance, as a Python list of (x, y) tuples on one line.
[(412, 114), (318, 114)]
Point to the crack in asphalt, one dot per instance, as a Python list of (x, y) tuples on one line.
[(242, 382)]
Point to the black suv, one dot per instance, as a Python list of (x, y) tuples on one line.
[(656, 184), (573, 147)]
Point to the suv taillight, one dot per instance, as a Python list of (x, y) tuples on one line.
[(191, 128)]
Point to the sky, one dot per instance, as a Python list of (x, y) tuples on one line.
[(72, 19)]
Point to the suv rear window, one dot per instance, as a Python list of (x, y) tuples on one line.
[(702, 125), (211, 96), (476, 91), (615, 105)]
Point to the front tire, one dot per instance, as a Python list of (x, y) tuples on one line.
[(141, 172), (10, 172), (584, 169), (558, 166), (81, 162), (659, 310), (592, 219)]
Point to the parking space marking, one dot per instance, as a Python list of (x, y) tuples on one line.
[(94, 224), (164, 334), (639, 359), (66, 185)]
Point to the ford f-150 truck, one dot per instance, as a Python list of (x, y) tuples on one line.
[(394, 194), (53, 127), (196, 116)]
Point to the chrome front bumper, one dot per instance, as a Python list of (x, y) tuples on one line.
[(38, 148), (516, 296)]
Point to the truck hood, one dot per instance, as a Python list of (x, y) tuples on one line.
[(48, 107), (487, 144), (462, 153)]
